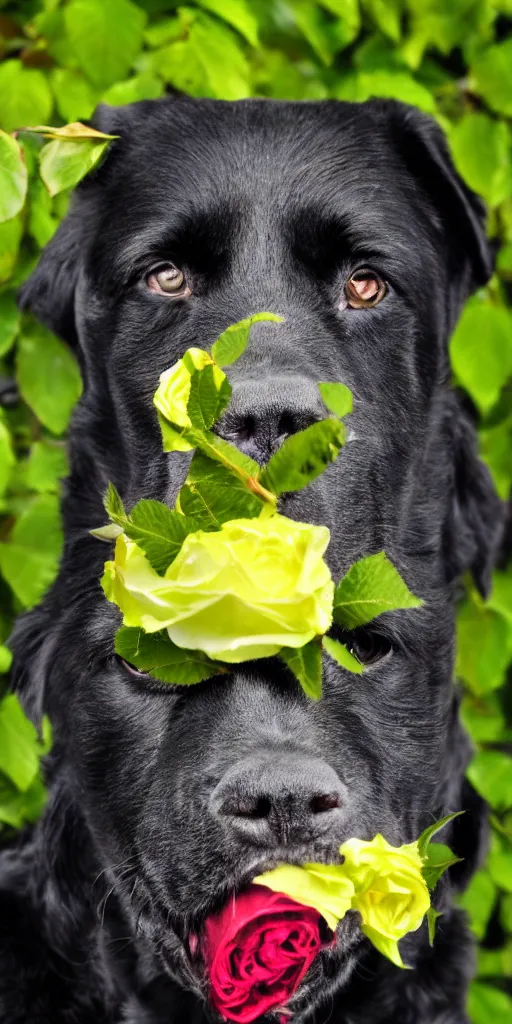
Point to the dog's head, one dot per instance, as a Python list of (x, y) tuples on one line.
[(351, 223)]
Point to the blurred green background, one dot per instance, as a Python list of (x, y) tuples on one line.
[(451, 58)]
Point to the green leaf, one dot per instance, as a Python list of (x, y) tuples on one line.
[(394, 85), (483, 648), (438, 859), (432, 830), (370, 587), (306, 665), (46, 465), (484, 720), (213, 494), (9, 321), (113, 506), (13, 177), (321, 33), (48, 376), (481, 351), (303, 456), (64, 163), (7, 459), (145, 86), (232, 458), (10, 238), (495, 443), (218, 53), (19, 751), (432, 916), (5, 659), (237, 13), (231, 344), (42, 225), (207, 401), (18, 808), (490, 771), (481, 152), (386, 14), (337, 398), (491, 77), (165, 661), (499, 865), (342, 655), (478, 901), (28, 565), (26, 96), (74, 95), (105, 37), (486, 1004), (159, 531)]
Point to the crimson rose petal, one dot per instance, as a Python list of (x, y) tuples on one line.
[(257, 951)]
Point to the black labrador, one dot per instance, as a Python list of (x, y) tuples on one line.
[(350, 221)]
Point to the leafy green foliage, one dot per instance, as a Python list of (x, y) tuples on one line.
[(233, 341), (454, 60), (341, 655), (303, 456), (213, 494), (306, 665), (371, 586), (13, 177), (168, 663)]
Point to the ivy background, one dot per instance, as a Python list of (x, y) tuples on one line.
[(452, 59)]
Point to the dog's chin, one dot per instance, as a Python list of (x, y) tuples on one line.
[(179, 953)]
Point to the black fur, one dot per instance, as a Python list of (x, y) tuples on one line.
[(265, 206)]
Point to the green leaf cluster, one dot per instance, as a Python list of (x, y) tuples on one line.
[(59, 58)]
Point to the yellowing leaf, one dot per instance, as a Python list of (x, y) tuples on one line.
[(64, 162)]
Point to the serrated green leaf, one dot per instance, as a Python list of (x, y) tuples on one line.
[(157, 655), (337, 398), (438, 859), (231, 344), (207, 401), (13, 177), (113, 505), (303, 456), (213, 494), (432, 830), (341, 655), (159, 531), (370, 587), (48, 376), (306, 665)]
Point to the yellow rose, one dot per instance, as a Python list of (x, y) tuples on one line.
[(244, 592), (320, 886), (390, 891), (173, 393)]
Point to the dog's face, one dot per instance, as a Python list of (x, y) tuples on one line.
[(349, 222)]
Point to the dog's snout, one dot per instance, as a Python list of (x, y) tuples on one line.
[(280, 800), (263, 414)]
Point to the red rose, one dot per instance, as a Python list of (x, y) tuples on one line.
[(257, 951)]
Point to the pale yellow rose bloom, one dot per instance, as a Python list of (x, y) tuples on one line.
[(390, 892), (326, 889), (173, 393), (244, 592)]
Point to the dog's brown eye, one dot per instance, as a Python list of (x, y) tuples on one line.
[(368, 647), (167, 280), (364, 288)]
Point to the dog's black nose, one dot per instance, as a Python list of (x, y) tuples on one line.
[(278, 800), (262, 414)]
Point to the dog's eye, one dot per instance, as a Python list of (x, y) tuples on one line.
[(166, 279), (369, 647), (365, 288)]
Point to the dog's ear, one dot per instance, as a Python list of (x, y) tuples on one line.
[(423, 147), (476, 519), (49, 292), (33, 643)]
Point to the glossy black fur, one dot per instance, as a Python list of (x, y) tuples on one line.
[(265, 206)]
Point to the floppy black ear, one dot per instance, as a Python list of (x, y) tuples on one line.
[(50, 290), (33, 643), (476, 519), (424, 149)]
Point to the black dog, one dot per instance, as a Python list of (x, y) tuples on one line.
[(351, 223)]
